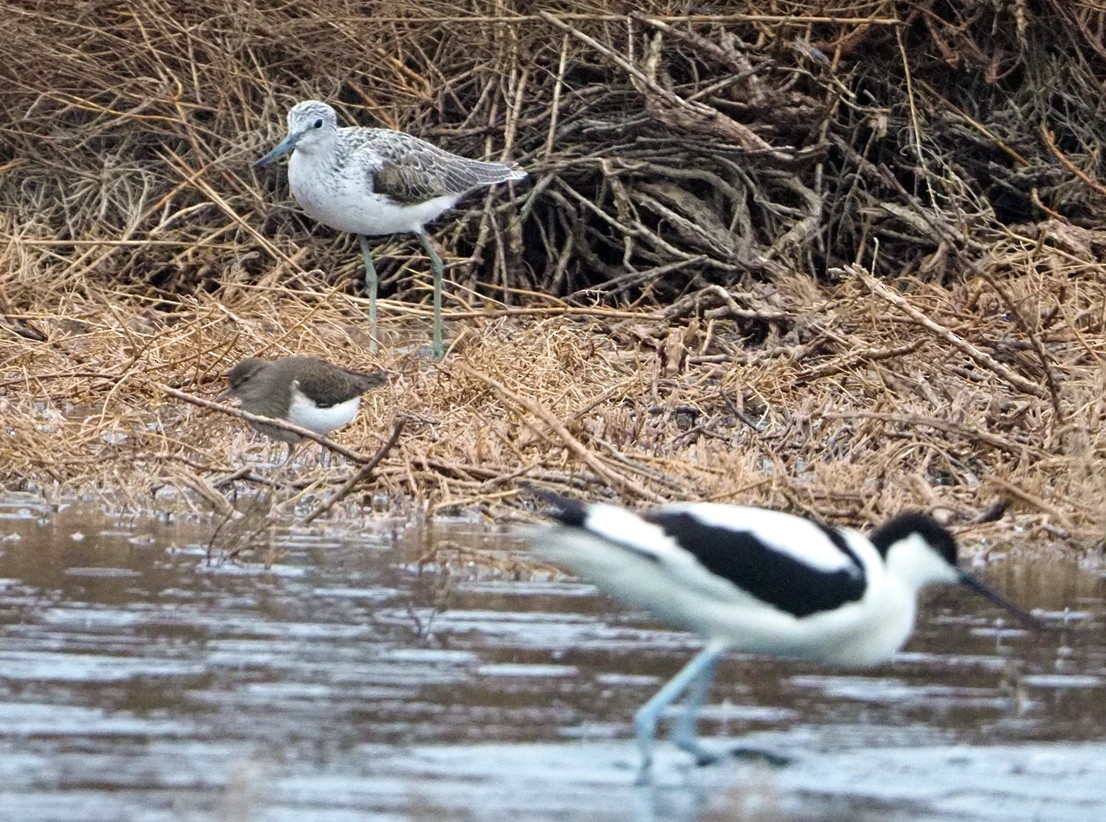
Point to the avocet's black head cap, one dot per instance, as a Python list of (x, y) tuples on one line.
[(566, 510), (944, 545), (915, 522)]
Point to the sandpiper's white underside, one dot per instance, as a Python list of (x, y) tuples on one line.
[(304, 413)]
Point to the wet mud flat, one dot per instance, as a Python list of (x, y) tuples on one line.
[(140, 681)]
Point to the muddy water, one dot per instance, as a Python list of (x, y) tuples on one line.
[(139, 681)]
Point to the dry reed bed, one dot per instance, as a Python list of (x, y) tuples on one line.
[(851, 405), (665, 153), (723, 175)]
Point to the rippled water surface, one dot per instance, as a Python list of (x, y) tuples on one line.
[(139, 681)]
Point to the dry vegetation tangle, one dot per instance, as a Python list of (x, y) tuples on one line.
[(839, 258)]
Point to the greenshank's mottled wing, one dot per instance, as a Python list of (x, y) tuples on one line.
[(410, 170)]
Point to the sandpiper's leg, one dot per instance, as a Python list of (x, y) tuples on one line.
[(437, 349), (370, 286), (684, 732), (645, 721)]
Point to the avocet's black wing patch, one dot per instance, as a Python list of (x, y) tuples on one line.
[(772, 576)]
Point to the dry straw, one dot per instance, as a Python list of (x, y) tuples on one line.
[(837, 258)]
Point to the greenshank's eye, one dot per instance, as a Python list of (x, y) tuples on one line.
[(318, 123)]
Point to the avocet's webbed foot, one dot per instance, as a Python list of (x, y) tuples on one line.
[(768, 758)]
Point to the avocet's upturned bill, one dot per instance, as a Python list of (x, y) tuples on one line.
[(757, 581)]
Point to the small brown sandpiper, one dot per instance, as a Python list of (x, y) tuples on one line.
[(306, 391)]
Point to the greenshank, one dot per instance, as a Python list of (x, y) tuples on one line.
[(375, 181)]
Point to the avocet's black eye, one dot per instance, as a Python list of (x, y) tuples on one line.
[(318, 123)]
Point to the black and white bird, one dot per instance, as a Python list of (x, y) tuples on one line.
[(758, 581)]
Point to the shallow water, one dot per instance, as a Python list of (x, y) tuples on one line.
[(138, 681)]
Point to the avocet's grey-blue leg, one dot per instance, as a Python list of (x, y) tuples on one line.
[(437, 350), (685, 729), (645, 720), (370, 286)]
